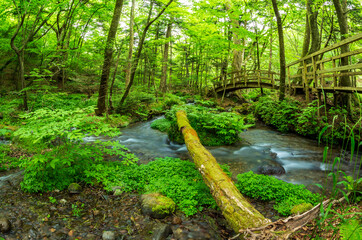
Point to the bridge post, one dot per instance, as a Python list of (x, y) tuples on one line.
[(258, 78), (305, 81), (289, 84), (245, 77)]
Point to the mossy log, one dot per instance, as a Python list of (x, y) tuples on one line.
[(239, 213)]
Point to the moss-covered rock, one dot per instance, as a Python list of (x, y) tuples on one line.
[(301, 208), (157, 205), (74, 188), (161, 124)]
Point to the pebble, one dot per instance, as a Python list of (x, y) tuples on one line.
[(5, 225), (108, 235), (176, 220)]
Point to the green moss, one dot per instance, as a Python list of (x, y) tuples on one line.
[(164, 205), (301, 208)]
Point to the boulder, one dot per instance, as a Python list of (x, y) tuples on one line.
[(272, 168), (74, 188), (157, 205)]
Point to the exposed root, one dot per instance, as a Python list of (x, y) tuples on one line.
[(283, 228)]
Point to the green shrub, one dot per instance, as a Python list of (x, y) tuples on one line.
[(269, 188), (6, 160), (214, 128), (308, 123), (68, 163), (282, 114), (162, 124), (54, 127)]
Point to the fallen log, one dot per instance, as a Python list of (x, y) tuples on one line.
[(238, 212)]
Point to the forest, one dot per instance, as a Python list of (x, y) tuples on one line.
[(180, 119)]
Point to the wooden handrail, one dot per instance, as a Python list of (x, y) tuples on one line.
[(330, 48)]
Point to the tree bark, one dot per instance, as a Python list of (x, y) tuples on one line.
[(312, 12), (108, 52), (341, 10), (163, 83), (131, 43), (281, 51), (239, 213)]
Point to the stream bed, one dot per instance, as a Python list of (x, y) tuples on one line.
[(301, 158)]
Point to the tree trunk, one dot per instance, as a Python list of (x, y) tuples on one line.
[(108, 52), (131, 43), (341, 10), (163, 83), (281, 51), (113, 80), (239, 213), (312, 12)]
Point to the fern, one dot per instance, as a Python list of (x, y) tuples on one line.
[(351, 230)]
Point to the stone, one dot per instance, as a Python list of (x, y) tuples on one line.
[(63, 201), (157, 205), (161, 232), (108, 235), (74, 188), (91, 236), (176, 220), (5, 225), (194, 231), (272, 168), (301, 208)]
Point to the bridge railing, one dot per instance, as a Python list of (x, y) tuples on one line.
[(322, 69), (245, 77)]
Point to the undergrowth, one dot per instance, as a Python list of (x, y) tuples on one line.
[(268, 188), (213, 127)]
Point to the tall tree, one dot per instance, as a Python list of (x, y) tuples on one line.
[(163, 82), (29, 25), (131, 43), (341, 10), (140, 47), (281, 51), (108, 52)]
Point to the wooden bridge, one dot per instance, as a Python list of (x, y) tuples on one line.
[(317, 72)]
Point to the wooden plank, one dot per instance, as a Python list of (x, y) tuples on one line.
[(351, 53), (327, 49), (343, 68)]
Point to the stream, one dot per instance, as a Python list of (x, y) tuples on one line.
[(301, 158)]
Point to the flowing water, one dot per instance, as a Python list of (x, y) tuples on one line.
[(301, 158)]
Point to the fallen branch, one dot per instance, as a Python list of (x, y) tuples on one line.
[(283, 228)]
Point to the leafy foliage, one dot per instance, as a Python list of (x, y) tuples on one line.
[(289, 116), (172, 177), (268, 188), (162, 124), (351, 230), (282, 114), (214, 128), (57, 168), (54, 127), (6, 160)]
